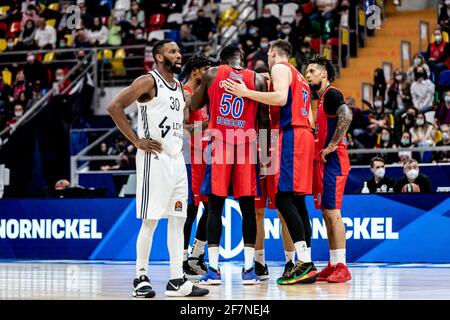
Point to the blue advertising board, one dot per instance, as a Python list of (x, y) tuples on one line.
[(380, 228)]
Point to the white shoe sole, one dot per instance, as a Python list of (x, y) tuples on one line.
[(193, 277), (210, 282), (250, 282)]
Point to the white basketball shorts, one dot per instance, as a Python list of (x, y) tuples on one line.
[(161, 185)]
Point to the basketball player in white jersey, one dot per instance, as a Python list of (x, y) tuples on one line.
[(162, 188)]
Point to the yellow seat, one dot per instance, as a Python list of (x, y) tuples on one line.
[(120, 54), (107, 54), (51, 22), (3, 45), (99, 56), (69, 39), (437, 136), (16, 40), (53, 6), (7, 76), (49, 56), (4, 10), (445, 36), (118, 68), (41, 7)]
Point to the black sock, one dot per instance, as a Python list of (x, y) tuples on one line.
[(284, 201), (214, 223), (247, 205)]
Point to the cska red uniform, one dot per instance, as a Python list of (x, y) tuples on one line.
[(233, 148), (196, 169), (296, 141), (329, 177)]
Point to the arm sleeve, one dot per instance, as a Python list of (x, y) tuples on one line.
[(333, 99)]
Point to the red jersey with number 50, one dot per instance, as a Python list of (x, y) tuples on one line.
[(228, 112)]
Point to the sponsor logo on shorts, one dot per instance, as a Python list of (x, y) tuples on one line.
[(178, 206)]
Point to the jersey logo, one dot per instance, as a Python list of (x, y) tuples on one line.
[(178, 206), (236, 76), (165, 129)]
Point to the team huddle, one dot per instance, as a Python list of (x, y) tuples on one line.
[(250, 134)]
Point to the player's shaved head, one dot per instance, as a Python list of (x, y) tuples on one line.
[(230, 54), (158, 47)]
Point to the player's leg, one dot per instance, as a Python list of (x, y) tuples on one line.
[(178, 285), (247, 205), (300, 204), (196, 259), (304, 271), (333, 191), (288, 245), (213, 234), (261, 268), (141, 284)]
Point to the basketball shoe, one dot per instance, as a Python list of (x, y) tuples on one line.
[(249, 276), (184, 288), (198, 264), (211, 277), (340, 274), (288, 268), (142, 288), (303, 272), (262, 271), (326, 272)]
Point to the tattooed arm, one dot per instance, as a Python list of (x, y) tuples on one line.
[(345, 116)]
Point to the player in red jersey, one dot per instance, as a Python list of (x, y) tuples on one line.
[(195, 122), (267, 200), (331, 163), (294, 180), (232, 125)]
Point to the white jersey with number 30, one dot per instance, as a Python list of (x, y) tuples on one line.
[(162, 117)]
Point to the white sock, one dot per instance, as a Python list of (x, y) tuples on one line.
[(340, 256), (175, 244), (309, 252), (259, 257), (185, 254), (213, 256), (144, 245), (198, 248), (333, 257), (249, 257), (290, 255), (302, 252)]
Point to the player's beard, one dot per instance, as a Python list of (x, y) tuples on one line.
[(172, 66), (315, 87)]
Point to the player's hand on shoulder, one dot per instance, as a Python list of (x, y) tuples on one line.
[(235, 87), (148, 145)]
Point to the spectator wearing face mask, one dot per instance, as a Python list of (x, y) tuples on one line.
[(261, 53), (379, 183), (405, 142), (438, 55), (98, 33), (378, 118), (19, 86), (57, 84), (34, 70), (443, 156), (422, 91), (19, 110), (417, 61), (399, 93), (26, 37), (268, 25), (442, 111), (422, 134), (203, 27), (386, 141), (413, 176)]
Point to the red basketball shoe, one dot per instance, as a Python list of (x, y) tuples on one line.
[(340, 274), (325, 273)]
